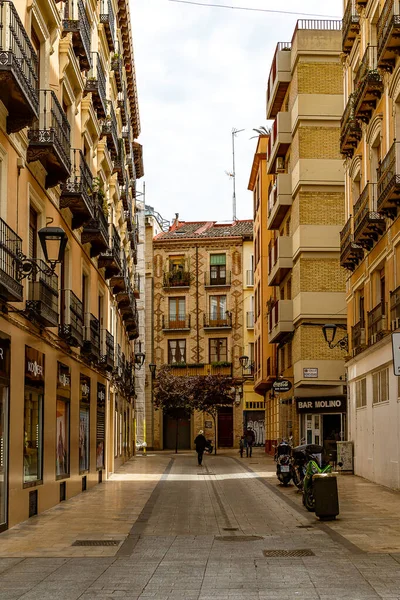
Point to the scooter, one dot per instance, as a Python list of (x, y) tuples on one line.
[(283, 462), (315, 465), (300, 457)]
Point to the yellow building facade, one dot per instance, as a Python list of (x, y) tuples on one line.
[(370, 247), (68, 122)]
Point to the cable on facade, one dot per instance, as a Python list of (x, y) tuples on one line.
[(266, 10)]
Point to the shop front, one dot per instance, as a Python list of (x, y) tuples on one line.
[(322, 421), (4, 409), (84, 424), (33, 417), (63, 421)]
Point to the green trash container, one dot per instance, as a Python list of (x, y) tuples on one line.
[(325, 492)]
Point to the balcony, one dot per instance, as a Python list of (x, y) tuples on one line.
[(95, 232), (368, 86), (71, 324), (133, 240), (91, 345), (377, 323), (176, 279), (107, 350), (49, 139), (279, 140), (18, 71), (280, 260), (279, 200), (119, 163), (119, 365), (280, 321), (358, 339), (95, 84), (11, 289), (110, 131), (350, 27), (360, 4), (201, 370), (395, 309), (279, 79), (181, 323), (42, 306), (128, 217), (122, 104), (249, 278), (107, 17), (350, 252), (126, 300), (350, 130), (388, 35), (124, 193), (217, 280), (388, 174), (118, 282), (76, 192), (250, 320), (110, 259), (218, 321), (76, 22), (369, 224), (137, 285), (116, 67)]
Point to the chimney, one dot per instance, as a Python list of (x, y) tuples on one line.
[(175, 222)]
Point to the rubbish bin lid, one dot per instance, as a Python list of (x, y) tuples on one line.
[(323, 475)]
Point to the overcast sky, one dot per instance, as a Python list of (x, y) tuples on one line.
[(200, 72)]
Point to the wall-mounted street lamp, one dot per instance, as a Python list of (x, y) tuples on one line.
[(139, 360), (153, 369), (53, 241), (329, 331), (244, 361)]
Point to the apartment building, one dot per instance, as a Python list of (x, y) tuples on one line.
[(370, 239), (305, 216), (69, 160), (199, 316), (264, 352)]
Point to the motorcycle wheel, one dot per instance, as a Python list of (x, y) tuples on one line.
[(286, 480), (296, 480), (308, 500)]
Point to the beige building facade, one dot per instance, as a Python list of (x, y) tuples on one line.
[(305, 216), (68, 158)]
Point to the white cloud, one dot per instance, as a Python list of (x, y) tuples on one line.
[(202, 71)]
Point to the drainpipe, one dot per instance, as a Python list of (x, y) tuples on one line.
[(197, 307)]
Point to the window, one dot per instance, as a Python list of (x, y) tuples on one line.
[(218, 308), (84, 424), (85, 293), (101, 426), (176, 264), (101, 309), (36, 44), (176, 315), (380, 386), (361, 392), (218, 269), (62, 424), (176, 351), (33, 233), (218, 350), (33, 416)]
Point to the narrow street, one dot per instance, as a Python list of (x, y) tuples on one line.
[(184, 532)]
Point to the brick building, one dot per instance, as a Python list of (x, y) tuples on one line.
[(305, 216)]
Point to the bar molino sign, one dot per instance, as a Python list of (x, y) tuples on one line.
[(335, 404)]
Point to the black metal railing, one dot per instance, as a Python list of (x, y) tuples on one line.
[(107, 17), (395, 308), (368, 85), (76, 21), (96, 84), (42, 304), (52, 127), (176, 279), (388, 18), (350, 252), (377, 322), (358, 339), (71, 324), (107, 349), (119, 163), (211, 279), (19, 57), (350, 129), (122, 104), (137, 284), (116, 67), (110, 130), (367, 220), (388, 173), (91, 345), (129, 217), (350, 26), (217, 319), (176, 322), (80, 183), (10, 261)]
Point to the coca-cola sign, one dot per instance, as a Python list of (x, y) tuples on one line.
[(280, 386)]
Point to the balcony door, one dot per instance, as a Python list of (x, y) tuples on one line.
[(218, 350), (218, 269), (217, 310), (176, 313)]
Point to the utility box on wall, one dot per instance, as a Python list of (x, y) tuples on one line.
[(345, 456)]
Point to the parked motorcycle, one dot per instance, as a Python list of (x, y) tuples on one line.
[(283, 462), (301, 455), (316, 464)]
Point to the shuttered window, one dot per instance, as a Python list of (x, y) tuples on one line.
[(380, 386), (218, 259)]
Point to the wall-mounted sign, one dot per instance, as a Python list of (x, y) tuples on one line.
[(310, 373), (280, 386), (64, 377), (207, 424), (85, 388), (34, 365), (5, 342), (322, 405)]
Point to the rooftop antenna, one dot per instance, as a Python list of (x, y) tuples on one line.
[(232, 174)]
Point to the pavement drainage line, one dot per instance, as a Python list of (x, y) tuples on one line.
[(132, 539), (228, 524), (334, 535)]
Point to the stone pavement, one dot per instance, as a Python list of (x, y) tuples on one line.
[(188, 533)]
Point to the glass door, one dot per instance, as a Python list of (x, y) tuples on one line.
[(3, 455), (313, 431)]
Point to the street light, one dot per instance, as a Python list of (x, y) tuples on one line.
[(244, 361), (329, 331), (139, 360), (53, 241), (153, 369)]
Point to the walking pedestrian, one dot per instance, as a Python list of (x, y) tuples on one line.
[(200, 442), (250, 439), (242, 444)]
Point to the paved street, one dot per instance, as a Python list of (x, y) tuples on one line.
[(184, 532)]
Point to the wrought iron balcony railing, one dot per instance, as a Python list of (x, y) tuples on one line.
[(76, 21), (110, 259), (211, 279), (368, 86), (95, 84), (77, 191), (377, 323), (350, 129), (129, 218), (137, 285), (110, 130), (107, 17), (91, 346), (176, 322), (116, 67), (119, 163), (174, 279), (107, 350), (42, 305), (123, 105), (222, 320), (95, 232), (358, 337), (119, 365), (71, 326), (388, 35), (11, 289), (350, 27), (118, 282), (18, 70), (49, 139), (369, 224), (388, 174), (395, 309), (350, 252)]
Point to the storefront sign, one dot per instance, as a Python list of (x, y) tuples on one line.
[(208, 424), (280, 386), (310, 373), (85, 388), (100, 426), (64, 376), (34, 365), (321, 405)]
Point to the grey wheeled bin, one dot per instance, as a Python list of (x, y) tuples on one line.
[(325, 492)]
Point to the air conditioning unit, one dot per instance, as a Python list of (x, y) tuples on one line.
[(362, 337), (395, 323), (280, 164), (373, 338), (384, 323)]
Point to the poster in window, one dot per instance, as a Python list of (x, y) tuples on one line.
[(84, 424), (62, 420), (100, 426)]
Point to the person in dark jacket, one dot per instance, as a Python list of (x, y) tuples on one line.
[(200, 442), (250, 439)]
